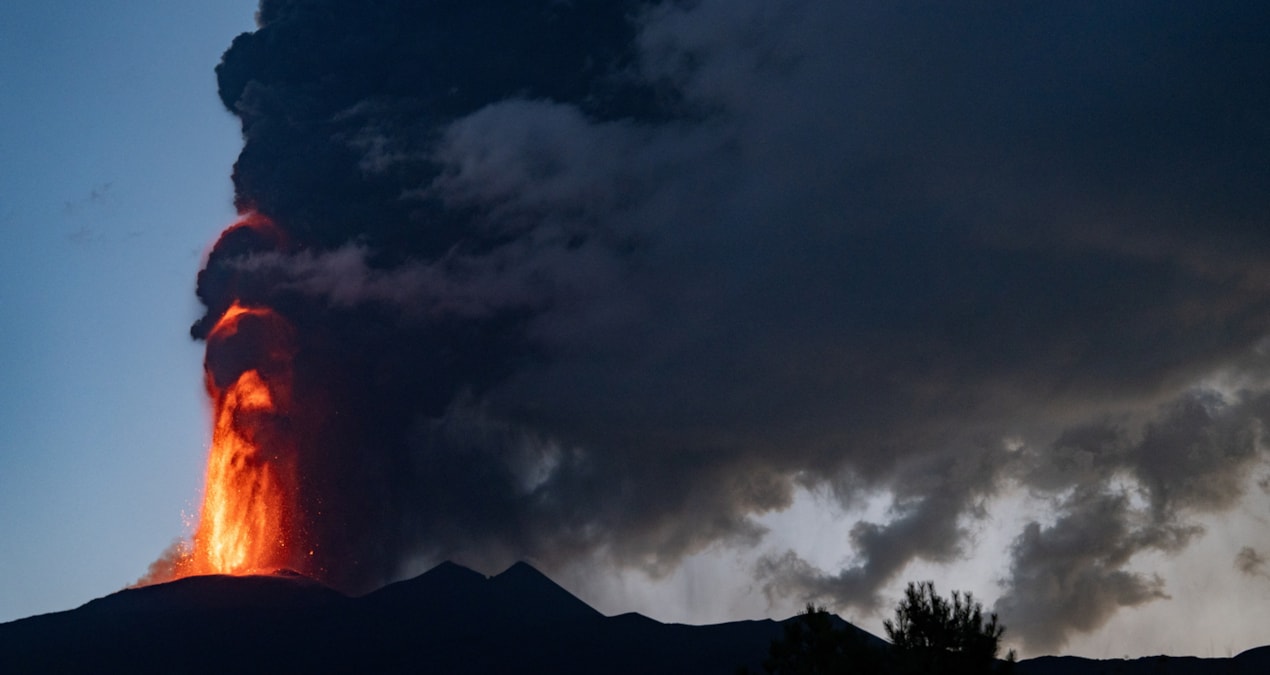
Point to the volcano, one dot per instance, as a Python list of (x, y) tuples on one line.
[(448, 620)]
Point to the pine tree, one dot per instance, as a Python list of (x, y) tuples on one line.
[(935, 636)]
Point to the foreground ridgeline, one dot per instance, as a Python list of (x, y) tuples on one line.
[(455, 621)]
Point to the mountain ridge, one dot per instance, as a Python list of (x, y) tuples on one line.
[(449, 619)]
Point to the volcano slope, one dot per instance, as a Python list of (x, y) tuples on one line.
[(447, 620)]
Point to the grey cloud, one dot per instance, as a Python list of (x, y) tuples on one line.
[(1251, 562), (1070, 577), (1192, 456), (621, 289), (815, 274), (459, 286), (934, 501), (539, 158)]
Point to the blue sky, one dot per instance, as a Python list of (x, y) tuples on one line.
[(115, 180)]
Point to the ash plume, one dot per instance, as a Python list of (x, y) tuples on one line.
[(1252, 562), (613, 279)]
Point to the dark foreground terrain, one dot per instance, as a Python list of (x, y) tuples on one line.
[(448, 620)]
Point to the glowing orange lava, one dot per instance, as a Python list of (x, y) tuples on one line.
[(245, 502), (249, 495)]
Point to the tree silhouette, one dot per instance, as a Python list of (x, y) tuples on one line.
[(931, 635), (813, 645)]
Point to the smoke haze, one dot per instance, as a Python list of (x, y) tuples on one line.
[(613, 280)]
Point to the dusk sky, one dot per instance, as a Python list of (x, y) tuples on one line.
[(115, 182), (706, 309)]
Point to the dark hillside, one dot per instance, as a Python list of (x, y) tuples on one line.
[(447, 620)]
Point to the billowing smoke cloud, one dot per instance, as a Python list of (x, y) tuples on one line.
[(612, 279), (1125, 493), (1251, 562)]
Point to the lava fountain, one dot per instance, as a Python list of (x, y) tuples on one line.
[(246, 520), (249, 519)]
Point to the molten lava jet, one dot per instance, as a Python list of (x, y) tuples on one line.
[(247, 518)]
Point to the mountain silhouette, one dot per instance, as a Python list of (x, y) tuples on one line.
[(282, 589), (447, 620), (521, 586)]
